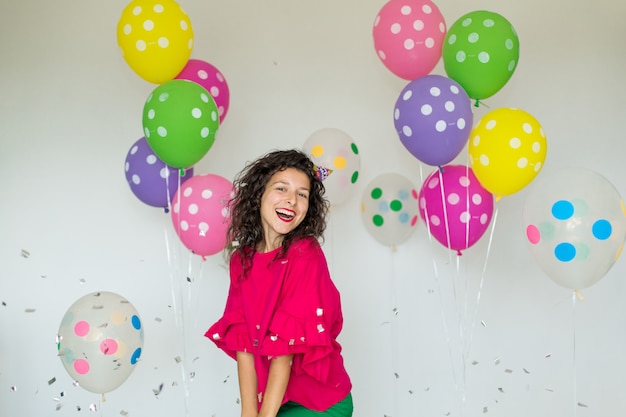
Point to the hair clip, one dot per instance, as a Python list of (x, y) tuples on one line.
[(322, 172)]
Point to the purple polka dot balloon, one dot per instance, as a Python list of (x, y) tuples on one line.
[(433, 118), (150, 179)]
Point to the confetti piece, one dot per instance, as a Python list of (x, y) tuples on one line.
[(226, 380), (508, 371), (13, 388), (44, 276), (396, 375), (238, 401), (548, 355), (549, 389), (195, 359), (58, 407), (485, 410), (526, 370), (93, 407), (78, 408), (501, 390), (582, 405), (483, 323), (123, 413), (82, 280), (25, 253), (411, 391), (395, 311), (158, 390), (158, 319), (192, 375), (30, 310), (52, 381), (177, 359), (496, 361), (4, 304), (474, 362), (189, 279)]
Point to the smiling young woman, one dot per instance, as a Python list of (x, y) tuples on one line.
[(283, 311)]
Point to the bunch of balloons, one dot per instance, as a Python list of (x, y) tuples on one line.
[(182, 114), (433, 115)]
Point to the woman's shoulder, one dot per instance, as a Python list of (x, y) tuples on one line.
[(304, 246)]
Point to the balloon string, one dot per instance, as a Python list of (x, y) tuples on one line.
[(440, 292), (482, 280), (394, 332), (167, 188), (177, 300), (575, 388)]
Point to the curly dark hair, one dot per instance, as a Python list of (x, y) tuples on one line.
[(245, 230)]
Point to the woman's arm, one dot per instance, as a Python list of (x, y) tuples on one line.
[(280, 369), (247, 384)]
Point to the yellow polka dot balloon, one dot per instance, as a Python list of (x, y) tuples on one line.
[(507, 149), (155, 38)]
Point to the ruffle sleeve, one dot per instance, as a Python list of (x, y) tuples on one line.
[(230, 334)]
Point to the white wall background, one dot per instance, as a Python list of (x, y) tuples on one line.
[(70, 108)]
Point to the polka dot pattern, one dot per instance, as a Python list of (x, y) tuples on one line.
[(209, 77), (155, 38), (334, 150), (433, 118), (180, 120), (507, 149), (575, 226), (481, 52), (200, 213), (151, 180), (455, 207), (94, 337), (408, 37), (389, 208)]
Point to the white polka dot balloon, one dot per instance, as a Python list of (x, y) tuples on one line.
[(155, 38), (507, 149), (200, 213), (180, 121), (408, 37), (455, 207), (100, 341), (575, 225), (433, 118)]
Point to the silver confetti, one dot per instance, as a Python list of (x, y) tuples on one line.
[(177, 359), (93, 407), (25, 253), (4, 304), (58, 407), (192, 375), (526, 370), (226, 380), (582, 405), (548, 355), (474, 362), (508, 371), (496, 361), (13, 388), (44, 276), (485, 410), (396, 375), (189, 279), (123, 413), (501, 390), (52, 381), (483, 323), (411, 391), (158, 319), (82, 280), (78, 408), (30, 310), (395, 311), (158, 390)]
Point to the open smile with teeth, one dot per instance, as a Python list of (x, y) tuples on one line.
[(285, 215)]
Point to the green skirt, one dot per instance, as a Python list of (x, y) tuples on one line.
[(342, 409)]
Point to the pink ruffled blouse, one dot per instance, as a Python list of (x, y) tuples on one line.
[(288, 306)]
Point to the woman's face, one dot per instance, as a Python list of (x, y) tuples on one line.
[(284, 204)]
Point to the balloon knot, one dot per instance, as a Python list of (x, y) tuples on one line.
[(477, 103), (166, 210), (441, 170), (458, 252), (181, 171)]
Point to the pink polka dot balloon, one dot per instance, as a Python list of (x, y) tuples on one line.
[(408, 37), (211, 79), (100, 341), (200, 213), (456, 209)]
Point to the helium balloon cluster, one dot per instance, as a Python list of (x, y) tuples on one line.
[(434, 119), (180, 120)]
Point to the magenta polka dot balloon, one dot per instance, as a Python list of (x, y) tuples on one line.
[(100, 341), (456, 209)]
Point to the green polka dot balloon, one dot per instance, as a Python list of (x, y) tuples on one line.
[(180, 120), (481, 52)]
